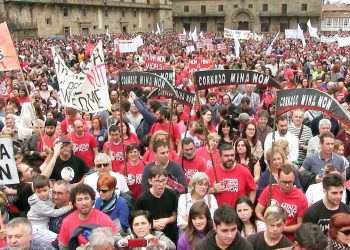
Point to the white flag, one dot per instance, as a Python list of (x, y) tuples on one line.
[(183, 31), (300, 35), (158, 32), (269, 49), (108, 35), (343, 41), (312, 30), (201, 34), (194, 35), (237, 44)]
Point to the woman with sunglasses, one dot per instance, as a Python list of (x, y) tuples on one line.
[(199, 224), (339, 232), (111, 204), (44, 90)]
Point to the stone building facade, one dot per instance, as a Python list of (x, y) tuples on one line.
[(30, 18), (254, 15)]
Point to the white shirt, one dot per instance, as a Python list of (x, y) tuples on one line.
[(186, 202), (315, 193), (292, 140), (92, 179)]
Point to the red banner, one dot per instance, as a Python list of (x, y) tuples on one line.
[(155, 62), (200, 64), (8, 55)]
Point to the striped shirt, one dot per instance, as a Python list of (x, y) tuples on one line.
[(303, 140)]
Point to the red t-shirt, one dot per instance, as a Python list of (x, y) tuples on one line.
[(83, 147), (72, 221), (68, 122), (134, 178), (49, 141), (197, 164), (174, 132), (132, 139), (294, 202), (237, 182), (116, 155), (202, 152), (149, 156)]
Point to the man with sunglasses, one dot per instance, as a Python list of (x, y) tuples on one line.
[(103, 165), (321, 212), (287, 196)]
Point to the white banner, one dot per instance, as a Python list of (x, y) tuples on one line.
[(269, 49), (291, 33), (343, 41), (331, 39), (8, 170), (240, 34), (312, 30), (190, 49), (88, 90)]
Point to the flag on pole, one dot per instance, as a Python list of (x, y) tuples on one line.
[(158, 32), (183, 31), (8, 55), (312, 30), (237, 44), (269, 49), (194, 35), (108, 35), (300, 35)]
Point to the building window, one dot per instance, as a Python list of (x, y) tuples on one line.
[(220, 8), (83, 12), (148, 1), (95, 27), (48, 21), (235, 6), (283, 26), (304, 7), (346, 22), (106, 27), (187, 26), (203, 27), (284, 9), (250, 6), (265, 7), (186, 8), (149, 26), (123, 13), (135, 13), (65, 11), (203, 9), (221, 26), (265, 27), (134, 26), (149, 14), (106, 12)]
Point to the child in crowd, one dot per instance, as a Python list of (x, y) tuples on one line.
[(41, 209)]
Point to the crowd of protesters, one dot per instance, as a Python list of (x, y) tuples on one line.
[(127, 177)]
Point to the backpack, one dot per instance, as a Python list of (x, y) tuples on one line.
[(129, 199)]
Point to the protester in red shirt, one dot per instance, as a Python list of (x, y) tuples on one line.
[(49, 134), (204, 152), (113, 148), (232, 180), (67, 125)]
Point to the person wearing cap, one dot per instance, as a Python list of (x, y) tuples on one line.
[(68, 166)]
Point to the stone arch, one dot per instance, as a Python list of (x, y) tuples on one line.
[(242, 19)]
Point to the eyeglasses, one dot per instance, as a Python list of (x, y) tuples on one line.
[(102, 164), (287, 182), (160, 181), (346, 232), (103, 190)]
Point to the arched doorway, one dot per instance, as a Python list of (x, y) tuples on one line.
[(242, 19)]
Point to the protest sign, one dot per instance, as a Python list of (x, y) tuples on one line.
[(185, 97), (88, 90), (145, 79), (154, 62), (291, 33), (211, 78), (165, 73), (8, 170), (310, 99), (240, 34), (8, 55), (343, 41), (332, 39)]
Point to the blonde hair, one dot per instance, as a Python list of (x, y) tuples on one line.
[(214, 136), (284, 145), (197, 178), (275, 213), (278, 150), (155, 136)]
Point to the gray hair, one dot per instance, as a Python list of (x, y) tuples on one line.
[(324, 122), (198, 177), (101, 236), (22, 223), (102, 156), (38, 122), (65, 183)]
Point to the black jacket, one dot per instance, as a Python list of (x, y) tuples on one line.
[(209, 243)]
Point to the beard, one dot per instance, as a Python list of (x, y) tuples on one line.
[(189, 156), (228, 164)]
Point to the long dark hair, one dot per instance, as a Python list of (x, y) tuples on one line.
[(225, 123), (199, 208), (255, 137), (137, 213), (252, 219)]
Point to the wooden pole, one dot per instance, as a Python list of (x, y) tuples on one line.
[(121, 130), (271, 161)]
